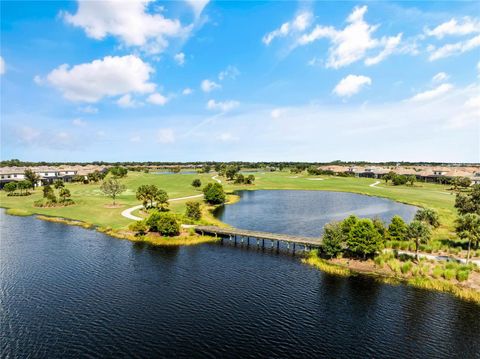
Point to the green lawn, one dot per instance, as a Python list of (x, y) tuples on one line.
[(91, 203)]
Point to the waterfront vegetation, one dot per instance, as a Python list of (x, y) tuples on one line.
[(370, 242)]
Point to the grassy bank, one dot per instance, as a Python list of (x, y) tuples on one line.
[(442, 277)]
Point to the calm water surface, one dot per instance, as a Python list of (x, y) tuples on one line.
[(70, 292), (305, 212)]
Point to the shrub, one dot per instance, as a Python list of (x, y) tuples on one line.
[(139, 227), (364, 239), (196, 183), (449, 274), (398, 229), (405, 267), (462, 275), (333, 239), (152, 221), (167, 225), (193, 211), (437, 272)]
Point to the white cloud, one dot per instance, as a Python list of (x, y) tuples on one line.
[(354, 42), (165, 135), (197, 6), (110, 76), (128, 21), (440, 77), (454, 27), (231, 72), (277, 112), (208, 85), (180, 58), (300, 23), (2, 65), (79, 122), (126, 101), (88, 109), (187, 91), (454, 49), (351, 85), (224, 106), (157, 99), (438, 91)]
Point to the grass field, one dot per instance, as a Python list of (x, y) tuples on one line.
[(91, 204)]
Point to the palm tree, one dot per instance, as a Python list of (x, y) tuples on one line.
[(420, 233), (468, 227), (428, 216), (32, 177)]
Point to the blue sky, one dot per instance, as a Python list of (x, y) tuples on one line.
[(255, 81)]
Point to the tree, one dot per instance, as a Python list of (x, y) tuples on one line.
[(32, 177), (95, 176), (64, 194), (163, 223), (379, 226), (161, 199), (231, 171), (118, 172), (347, 224), (207, 168), (428, 216), (389, 176), (146, 193), (10, 187), (398, 180), (239, 179), (193, 210), (49, 193), (397, 229), (364, 239), (468, 227), (419, 232), (464, 182), (176, 169), (197, 183), (58, 184), (112, 188), (469, 203), (214, 193), (250, 179), (333, 239), (411, 179)]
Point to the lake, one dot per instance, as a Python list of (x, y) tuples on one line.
[(305, 212), (70, 292)]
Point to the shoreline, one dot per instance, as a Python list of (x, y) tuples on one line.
[(323, 265)]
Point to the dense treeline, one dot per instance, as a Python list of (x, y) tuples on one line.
[(261, 164)]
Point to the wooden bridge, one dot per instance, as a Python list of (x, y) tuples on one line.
[(233, 233)]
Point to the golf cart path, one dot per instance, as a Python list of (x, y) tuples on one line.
[(128, 212), (374, 184)]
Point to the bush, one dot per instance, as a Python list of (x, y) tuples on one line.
[(333, 239), (398, 229), (163, 223), (405, 267), (363, 239), (449, 274), (462, 275), (193, 211), (437, 272), (139, 227), (196, 183)]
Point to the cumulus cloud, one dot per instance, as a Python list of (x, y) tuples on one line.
[(438, 91), (351, 85), (197, 6), (440, 77), (354, 42), (128, 21), (157, 99), (165, 135), (180, 58), (110, 76), (300, 23), (126, 101), (208, 85), (231, 72), (187, 91), (88, 109), (2, 65), (465, 26), (224, 106), (453, 48)]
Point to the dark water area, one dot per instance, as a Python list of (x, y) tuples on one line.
[(304, 213), (70, 292)]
